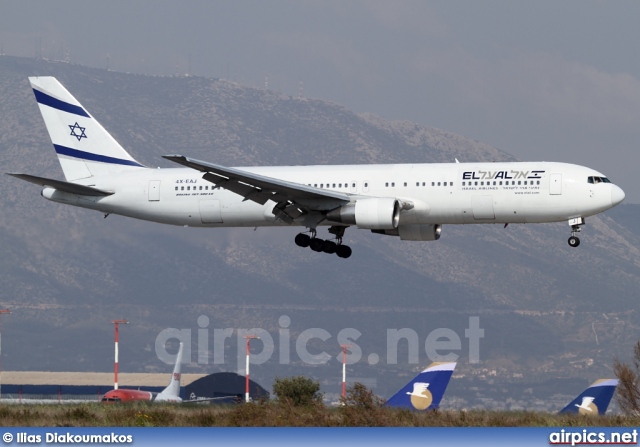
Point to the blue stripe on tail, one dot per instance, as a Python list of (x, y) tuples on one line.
[(50, 101), (63, 150)]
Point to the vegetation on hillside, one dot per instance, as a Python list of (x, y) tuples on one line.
[(628, 391)]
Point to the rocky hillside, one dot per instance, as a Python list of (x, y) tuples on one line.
[(548, 311)]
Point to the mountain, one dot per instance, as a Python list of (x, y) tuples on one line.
[(548, 311)]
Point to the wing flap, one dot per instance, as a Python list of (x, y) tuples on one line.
[(72, 188)]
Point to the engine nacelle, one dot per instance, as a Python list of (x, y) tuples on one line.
[(382, 213), (420, 232), (414, 232)]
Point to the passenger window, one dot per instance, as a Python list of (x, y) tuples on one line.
[(494, 183), (423, 183), (438, 183), (176, 188), (525, 182), (476, 184), (393, 184), (405, 183), (182, 188), (417, 183), (433, 184), (386, 184)]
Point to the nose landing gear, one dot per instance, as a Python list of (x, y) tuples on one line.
[(575, 223), (326, 246)]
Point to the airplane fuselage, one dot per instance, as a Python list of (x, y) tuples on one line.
[(411, 201), (446, 193)]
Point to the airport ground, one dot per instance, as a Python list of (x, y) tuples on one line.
[(274, 414)]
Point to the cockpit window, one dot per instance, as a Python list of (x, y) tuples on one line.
[(595, 179)]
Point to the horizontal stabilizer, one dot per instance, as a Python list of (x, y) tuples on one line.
[(60, 185)]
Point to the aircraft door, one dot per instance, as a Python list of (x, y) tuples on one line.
[(210, 211), (482, 207), (154, 190), (555, 184)]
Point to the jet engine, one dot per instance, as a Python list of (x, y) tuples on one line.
[(382, 213)]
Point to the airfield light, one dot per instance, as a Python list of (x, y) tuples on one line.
[(115, 365), (246, 386), (2, 311), (344, 370)]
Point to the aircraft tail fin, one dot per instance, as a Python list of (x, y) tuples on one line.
[(595, 399), (172, 391), (425, 391), (85, 149)]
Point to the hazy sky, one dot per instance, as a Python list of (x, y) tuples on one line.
[(542, 80)]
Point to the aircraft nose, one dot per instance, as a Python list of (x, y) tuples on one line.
[(617, 195)]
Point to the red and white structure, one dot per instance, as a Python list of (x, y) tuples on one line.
[(246, 386), (115, 365), (344, 370)]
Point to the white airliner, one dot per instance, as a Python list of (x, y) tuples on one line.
[(411, 201)]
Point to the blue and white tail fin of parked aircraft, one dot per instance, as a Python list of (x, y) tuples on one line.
[(595, 399), (425, 391), (70, 125)]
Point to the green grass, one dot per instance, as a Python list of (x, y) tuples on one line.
[(274, 414)]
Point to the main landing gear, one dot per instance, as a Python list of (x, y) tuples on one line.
[(575, 223), (326, 246)]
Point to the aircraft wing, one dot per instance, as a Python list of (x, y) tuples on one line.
[(72, 188), (292, 199)]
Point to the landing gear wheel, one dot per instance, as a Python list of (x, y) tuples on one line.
[(343, 251), (316, 244), (302, 240), (574, 241), (329, 247)]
